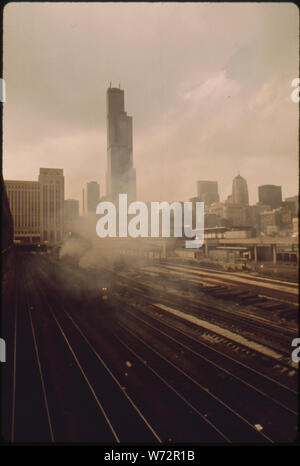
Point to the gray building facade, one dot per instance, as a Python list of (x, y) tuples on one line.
[(207, 192), (71, 209), (92, 196)]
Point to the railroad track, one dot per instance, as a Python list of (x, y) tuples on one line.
[(153, 315), (211, 434), (263, 394), (272, 288), (270, 395), (230, 424), (136, 374), (257, 301), (273, 335), (25, 389), (248, 277), (153, 319), (111, 412)]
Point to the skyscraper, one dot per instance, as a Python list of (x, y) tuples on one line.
[(120, 176), (24, 202), (240, 191), (270, 194), (92, 196), (208, 192), (52, 196), (37, 207)]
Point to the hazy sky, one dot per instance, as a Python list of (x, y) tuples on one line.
[(208, 86)]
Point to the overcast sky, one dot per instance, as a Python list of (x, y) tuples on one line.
[(208, 87)]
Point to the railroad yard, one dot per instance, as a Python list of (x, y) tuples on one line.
[(165, 352)]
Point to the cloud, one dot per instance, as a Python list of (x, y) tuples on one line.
[(208, 86)]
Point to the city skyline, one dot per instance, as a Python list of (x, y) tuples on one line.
[(228, 198), (204, 112)]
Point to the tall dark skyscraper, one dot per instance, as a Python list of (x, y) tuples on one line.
[(270, 194), (240, 191), (120, 176)]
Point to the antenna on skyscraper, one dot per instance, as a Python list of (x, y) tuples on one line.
[(119, 86)]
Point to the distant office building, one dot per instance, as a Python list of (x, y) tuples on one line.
[(120, 176), (286, 217), (271, 195), (235, 215), (270, 222), (292, 199), (52, 188), (207, 192), (277, 221), (232, 215), (253, 214), (92, 196), (240, 191), (292, 203), (213, 220), (25, 207), (37, 207), (71, 209)]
